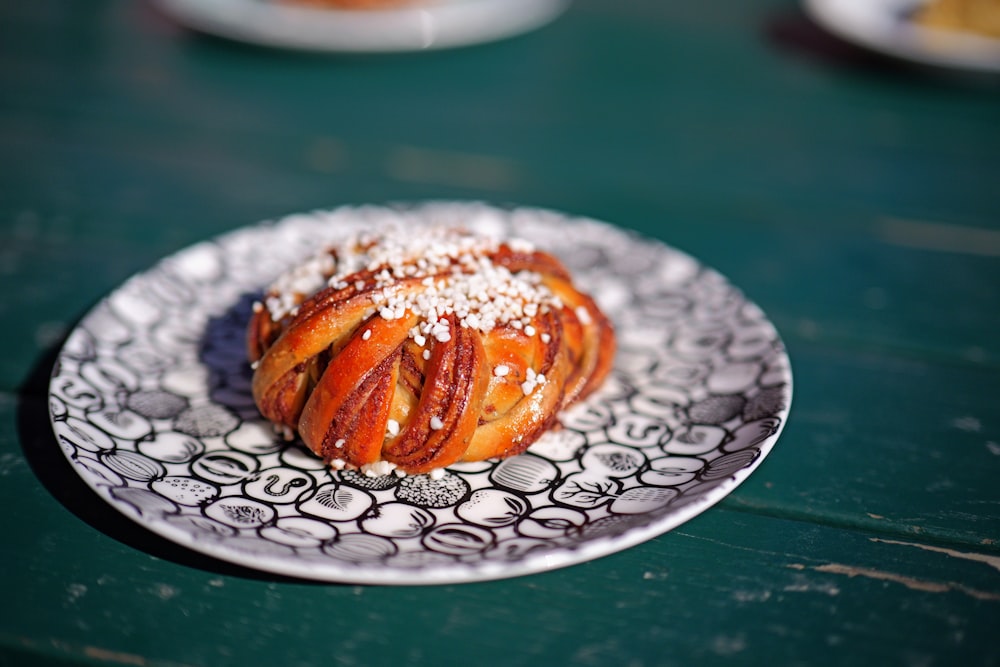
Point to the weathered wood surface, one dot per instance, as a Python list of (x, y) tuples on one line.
[(854, 199)]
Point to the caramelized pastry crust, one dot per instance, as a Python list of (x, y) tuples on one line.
[(416, 349)]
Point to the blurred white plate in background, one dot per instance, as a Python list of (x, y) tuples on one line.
[(434, 24)]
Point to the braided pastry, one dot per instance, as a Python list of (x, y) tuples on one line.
[(416, 350)]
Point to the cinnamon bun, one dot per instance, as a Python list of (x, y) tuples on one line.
[(414, 349)]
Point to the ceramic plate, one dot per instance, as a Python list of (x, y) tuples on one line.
[(886, 26), (150, 401), (430, 24)]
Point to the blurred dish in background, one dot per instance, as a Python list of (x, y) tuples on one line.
[(350, 4), (961, 34), (364, 25)]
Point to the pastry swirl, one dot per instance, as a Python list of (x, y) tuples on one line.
[(414, 350)]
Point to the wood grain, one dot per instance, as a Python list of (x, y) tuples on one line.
[(853, 198)]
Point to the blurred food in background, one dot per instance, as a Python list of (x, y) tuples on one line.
[(976, 16)]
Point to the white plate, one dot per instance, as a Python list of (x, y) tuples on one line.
[(432, 24), (150, 402), (886, 26)]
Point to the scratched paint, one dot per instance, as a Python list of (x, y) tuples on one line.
[(74, 592), (992, 561), (940, 237), (967, 423), (411, 164), (913, 583)]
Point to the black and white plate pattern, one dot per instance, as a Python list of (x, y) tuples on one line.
[(150, 402)]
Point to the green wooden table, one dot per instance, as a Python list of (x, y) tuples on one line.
[(855, 199)]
